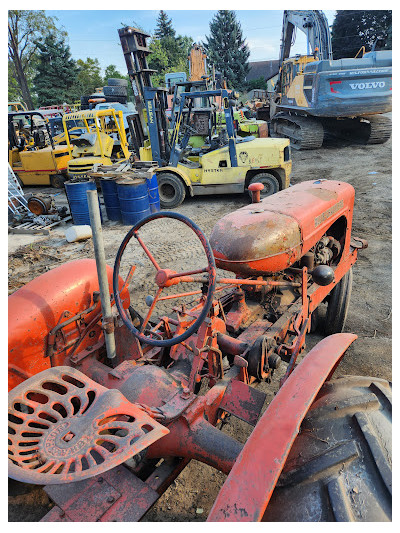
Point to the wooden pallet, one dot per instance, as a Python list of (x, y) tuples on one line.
[(32, 228)]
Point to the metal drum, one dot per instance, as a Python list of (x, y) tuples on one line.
[(111, 200), (77, 199), (154, 197), (133, 199)]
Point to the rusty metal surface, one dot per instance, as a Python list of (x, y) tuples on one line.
[(243, 401), (37, 308), (273, 234), (65, 427), (114, 496), (248, 488)]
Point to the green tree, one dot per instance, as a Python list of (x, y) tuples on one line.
[(353, 29), (55, 71), (164, 26), (227, 48), (88, 77), (24, 28), (112, 72), (259, 83)]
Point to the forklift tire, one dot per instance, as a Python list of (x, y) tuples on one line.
[(171, 190), (57, 181), (115, 90), (338, 305), (271, 184), (115, 82), (340, 465)]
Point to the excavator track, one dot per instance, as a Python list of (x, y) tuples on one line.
[(380, 129), (305, 133)]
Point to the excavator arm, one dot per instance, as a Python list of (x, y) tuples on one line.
[(314, 24)]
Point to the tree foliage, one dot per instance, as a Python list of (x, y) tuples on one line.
[(227, 48), (353, 29), (259, 83), (169, 52), (88, 77), (55, 71), (164, 26), (112, 72), (25, 27)]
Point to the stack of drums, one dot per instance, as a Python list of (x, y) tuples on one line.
[(133, 199), (78, 202)]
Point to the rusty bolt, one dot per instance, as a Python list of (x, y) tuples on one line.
[(110, 499), (62, 513), (100, 480), (185, 393)]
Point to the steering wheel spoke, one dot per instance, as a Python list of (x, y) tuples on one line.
[(166, 278), (146, 250), (150, 311)]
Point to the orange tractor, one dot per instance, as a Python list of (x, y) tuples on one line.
[(107, 427)]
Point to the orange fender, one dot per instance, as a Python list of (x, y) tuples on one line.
[(249, 485)]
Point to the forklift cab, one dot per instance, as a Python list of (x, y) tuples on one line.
[(32, 153), (103, 139)]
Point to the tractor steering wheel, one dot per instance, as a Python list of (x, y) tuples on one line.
[(165, 278)]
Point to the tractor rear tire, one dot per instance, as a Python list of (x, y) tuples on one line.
[(338, 305), (340, 466), (271, 184), (114, 82), (171, 190), (57, 181)]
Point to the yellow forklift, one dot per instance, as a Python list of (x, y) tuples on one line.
[(224, 164), (103, 139), (32, 153)]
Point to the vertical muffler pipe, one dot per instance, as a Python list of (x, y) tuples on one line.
[(108, 320)]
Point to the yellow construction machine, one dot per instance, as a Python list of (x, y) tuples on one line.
[(32, 152), (103, 140)]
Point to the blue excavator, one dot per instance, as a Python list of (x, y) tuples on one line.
[(316, 97)]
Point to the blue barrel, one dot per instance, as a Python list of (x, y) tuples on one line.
[(133, 199), (154, 197), (77, 199), (111, 200)]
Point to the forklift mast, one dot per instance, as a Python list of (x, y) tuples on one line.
[(147, 98)]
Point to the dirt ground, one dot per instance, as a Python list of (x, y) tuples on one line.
[(367, 168)]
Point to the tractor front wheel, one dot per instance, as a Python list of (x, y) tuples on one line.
[(271, 184), (338, 305), (171, 190), (340, 466)]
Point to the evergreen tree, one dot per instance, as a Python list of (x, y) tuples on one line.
[(353, 29), (227, 48), (169, 52), (55, 70), (164, 26)]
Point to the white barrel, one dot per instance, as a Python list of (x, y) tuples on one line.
[(78, 233)]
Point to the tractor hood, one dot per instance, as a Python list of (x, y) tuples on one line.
[(269, 236)]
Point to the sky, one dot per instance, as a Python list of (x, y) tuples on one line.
[(94, 33)]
